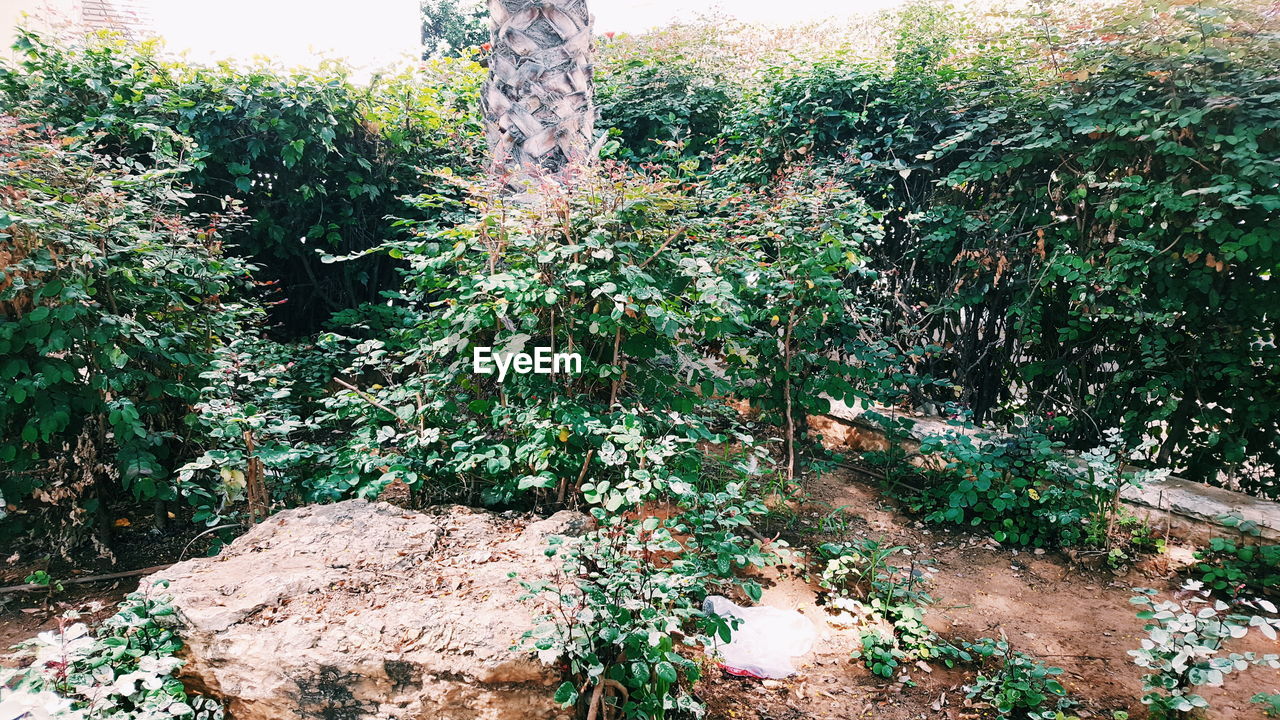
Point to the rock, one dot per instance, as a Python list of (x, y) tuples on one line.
[(364, 610)]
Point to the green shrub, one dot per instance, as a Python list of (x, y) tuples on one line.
[(1151, 244), (1012, 683), (1024, 490), (1016, 487), (112, 303), (850, 567), (906, 638), (810, 332), (620, 269), (658, 104), (603, 270), (318, 161), (1125, 288), (1235, 569), (248, 425), (629, 602), (1185, 639), (888, 600)]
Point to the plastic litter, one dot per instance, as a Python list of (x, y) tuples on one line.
[(765, 639)]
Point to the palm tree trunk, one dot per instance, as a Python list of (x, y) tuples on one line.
[(537, 102)]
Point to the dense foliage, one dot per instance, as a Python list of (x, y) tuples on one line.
[(113, 302), (1026, 491), (239, 289), (453, 26), (630, 599), (318, 161), (1186, 643), (1085, 221), (660, 104), (1234, 567), (943, 226)]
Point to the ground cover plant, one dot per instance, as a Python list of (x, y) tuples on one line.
[(121, 670), (229, 290), (1185, 639)]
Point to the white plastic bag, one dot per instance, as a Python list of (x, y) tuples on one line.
[(765, 639)]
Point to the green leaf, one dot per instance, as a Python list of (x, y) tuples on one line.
[(566, 694)]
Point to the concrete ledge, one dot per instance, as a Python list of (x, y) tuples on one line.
[(1189, 510)]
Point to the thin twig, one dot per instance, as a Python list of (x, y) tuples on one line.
[(91, 578), (661, 247), (187, 547), (582, 474), (370, 399)]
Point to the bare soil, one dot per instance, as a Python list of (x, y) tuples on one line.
[(1061, 611), (23, 614)]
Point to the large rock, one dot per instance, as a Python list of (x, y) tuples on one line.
[(364, 610)]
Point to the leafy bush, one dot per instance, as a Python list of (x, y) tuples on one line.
[(629, 601), (1014, 684), (886, 600), (616, 620), (113, 302), (1082, 291), (124, 671), (810, 332), (1235, 569), (257, 450), (601, 270), (618, 268), (1026, 491), (1014, 486), (905, 638), (1152, 150), (659, 104), (850, 567), (318, 162)]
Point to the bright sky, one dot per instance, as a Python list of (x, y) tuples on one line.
[(375, 32), (623, 16)]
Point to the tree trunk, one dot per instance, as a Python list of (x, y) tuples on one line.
[(537, 102)]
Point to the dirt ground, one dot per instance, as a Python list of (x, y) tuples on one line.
[(1063, 613), (137, 546)]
